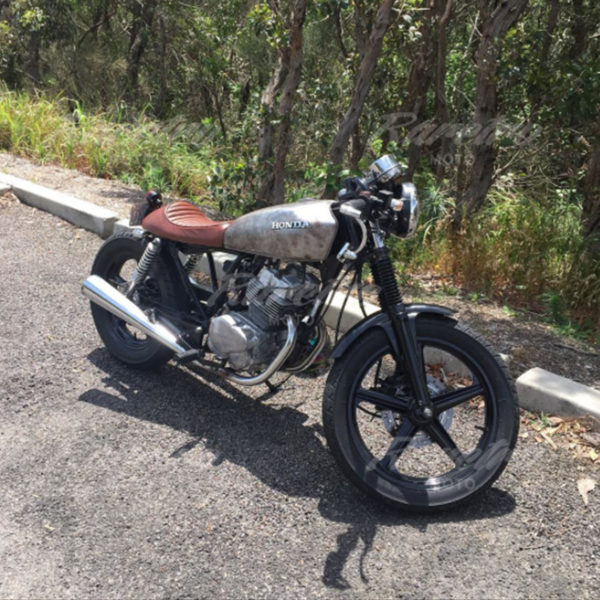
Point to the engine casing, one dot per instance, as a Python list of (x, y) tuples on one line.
[(251, 337), (238, 339)]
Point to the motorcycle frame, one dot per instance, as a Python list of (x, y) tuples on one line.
[(398, 320)]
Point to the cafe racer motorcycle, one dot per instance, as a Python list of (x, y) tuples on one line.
[(418, 410)]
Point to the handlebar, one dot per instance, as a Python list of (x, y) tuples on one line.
[(353, 186)]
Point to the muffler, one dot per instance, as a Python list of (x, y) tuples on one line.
[(103, 294)]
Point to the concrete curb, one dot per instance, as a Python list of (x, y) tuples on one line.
[(84, 214), (538, 390), (542, 391)]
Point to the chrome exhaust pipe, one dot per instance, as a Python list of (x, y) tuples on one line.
[(278, 361), (103, 294)]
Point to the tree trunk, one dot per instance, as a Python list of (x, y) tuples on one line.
[(143, 16), (218, 101), (442, 116), (496, 20), (160, 106), (590, 214), (286, 78), (32, 67), (419, 81), (363, 82), (244, 98), (355, 148), (265, 135), (460, 108), (578, 30), (549, 32), (591, 200), (539, 96)]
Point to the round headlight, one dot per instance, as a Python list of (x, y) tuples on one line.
[(409, 196), (405, 211)]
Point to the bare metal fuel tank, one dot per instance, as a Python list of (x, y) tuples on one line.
[(302, 231)]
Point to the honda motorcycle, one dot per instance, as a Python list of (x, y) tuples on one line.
[(418, 410)]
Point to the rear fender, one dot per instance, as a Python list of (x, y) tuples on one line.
[(382, 320)]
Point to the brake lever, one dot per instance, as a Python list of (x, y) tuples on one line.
[(387, 197)]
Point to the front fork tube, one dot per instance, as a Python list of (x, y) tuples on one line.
[(403, 326), (406, 341)]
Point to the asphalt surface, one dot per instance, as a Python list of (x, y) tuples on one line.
[(120, 484)]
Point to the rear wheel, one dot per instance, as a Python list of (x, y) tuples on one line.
[(115, 262), (390, 450)]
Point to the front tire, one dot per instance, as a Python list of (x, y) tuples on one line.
[(388, 451), (115, 262)]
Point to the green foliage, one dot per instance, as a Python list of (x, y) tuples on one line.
[(140, 153), (529, 250), (522, 241), (234, 184)]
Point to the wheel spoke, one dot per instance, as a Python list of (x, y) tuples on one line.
[(378, 371), (405, 434), (454, 398), (441, 437), (381, 400)]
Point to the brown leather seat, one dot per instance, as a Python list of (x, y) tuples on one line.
[(184, 222)]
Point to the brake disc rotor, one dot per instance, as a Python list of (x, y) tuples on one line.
[(421, 439)]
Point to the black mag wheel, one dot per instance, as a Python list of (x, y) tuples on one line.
[(407, 459), (115, 262)]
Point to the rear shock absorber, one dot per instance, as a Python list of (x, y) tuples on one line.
[(190, 263), (385, 278), (151, 251)]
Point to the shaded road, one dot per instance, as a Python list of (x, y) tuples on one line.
[(118, 484)]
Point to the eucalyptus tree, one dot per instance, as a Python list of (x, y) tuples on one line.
[(496, 19)]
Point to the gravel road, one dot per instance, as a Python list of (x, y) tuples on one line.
[(116, 484)]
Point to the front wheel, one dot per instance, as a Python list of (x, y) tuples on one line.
[(385, 444)]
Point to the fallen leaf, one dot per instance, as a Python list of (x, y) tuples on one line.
[(585, 485), (591, 438), (548, 439), (593, 455)]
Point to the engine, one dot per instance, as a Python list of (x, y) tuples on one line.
[(250, 336)]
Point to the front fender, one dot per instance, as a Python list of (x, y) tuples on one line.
[(382, 319)]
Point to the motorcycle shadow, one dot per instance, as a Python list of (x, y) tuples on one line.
[(276, 442)]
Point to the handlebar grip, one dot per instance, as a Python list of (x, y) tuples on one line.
[(357, 204)]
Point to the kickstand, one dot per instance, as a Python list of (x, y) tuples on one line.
[(274, 388)]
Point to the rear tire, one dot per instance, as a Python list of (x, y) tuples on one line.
[(115, 262), (388, 452)]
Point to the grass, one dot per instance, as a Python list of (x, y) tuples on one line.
[(139, 152)]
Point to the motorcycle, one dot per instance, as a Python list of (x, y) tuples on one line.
[(418, 410)]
